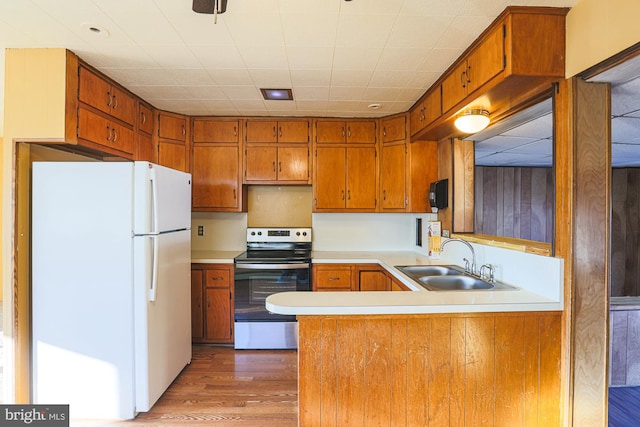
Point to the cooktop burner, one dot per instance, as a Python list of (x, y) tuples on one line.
[(283, 245)]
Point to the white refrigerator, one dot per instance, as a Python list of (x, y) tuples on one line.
[(111, 310)]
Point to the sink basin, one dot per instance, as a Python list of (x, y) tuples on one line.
[(418, 271), (454, 283)]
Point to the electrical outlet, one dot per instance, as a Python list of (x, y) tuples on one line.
[(445, 233), (201, 230)]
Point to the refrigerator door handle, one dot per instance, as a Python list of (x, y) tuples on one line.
[(153, 289), (154, 200)]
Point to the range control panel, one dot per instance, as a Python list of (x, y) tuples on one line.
[(278, 235)]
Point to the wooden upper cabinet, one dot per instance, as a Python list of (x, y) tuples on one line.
[(277, 151), (208, 130), (393, 182), (393, 129), (481, 65), (425, 112), (278, 131), (145, 119), (331, 131), (330, 183), (172, 126), (106, 97), (361, 178)]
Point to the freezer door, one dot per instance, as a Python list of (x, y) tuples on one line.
[(162, 315), (162, 199)]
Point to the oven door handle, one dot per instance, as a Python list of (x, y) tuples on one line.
[(242, 266)]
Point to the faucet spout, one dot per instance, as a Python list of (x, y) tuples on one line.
[(471, 270)]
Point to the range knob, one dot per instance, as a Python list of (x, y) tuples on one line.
[(297, 233), (259, 233), (304, 233), (253, 233)]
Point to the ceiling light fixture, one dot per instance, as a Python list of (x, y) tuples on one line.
[(374, 106), (95, 30), (472, 121), (277, 94)]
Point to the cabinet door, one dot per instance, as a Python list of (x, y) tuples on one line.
[(293, 164), (293, 131), (123, 138), (364, 131), (398, 286), (393, 176), (361, 178), (197, 325), (98, 129), (218, 317), (432, 105), (172, 127), (215, 176), (374, 280), (454, 87), (123, 106), (329, 131), (172, 155), (486, 61), (393, 129), (94, 91), (215, 130), (145, 119), (261, 163), (145, 148), (262, 131), (331, 166)]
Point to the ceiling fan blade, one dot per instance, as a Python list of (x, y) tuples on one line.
[(208, 6)]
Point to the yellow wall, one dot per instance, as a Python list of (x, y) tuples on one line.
[(598, 29)]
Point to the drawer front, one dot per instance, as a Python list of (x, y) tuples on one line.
[(333, 279), (217, 278)]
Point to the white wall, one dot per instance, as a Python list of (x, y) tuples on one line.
[(222, 231)]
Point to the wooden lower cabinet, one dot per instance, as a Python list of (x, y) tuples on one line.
[(212, 303), (432, 370), (353, 277)]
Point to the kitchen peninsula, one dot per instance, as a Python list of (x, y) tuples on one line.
[(426, 358)]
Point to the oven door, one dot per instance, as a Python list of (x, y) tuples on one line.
[(255, 282)]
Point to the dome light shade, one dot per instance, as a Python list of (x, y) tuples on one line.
[(472, 121)]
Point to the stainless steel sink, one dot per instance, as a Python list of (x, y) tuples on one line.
[(448, 278), (418, 271), (454, 283)]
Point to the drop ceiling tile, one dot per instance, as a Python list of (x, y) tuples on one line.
[(432, 7), (404, 59), (310, 77), (231, 76), (410, 94), (438, 60), (363, 31), (154, 93), (272, 79), (502, 143), (280, 105), (250, 93), (485, 8), (303, 105), (391, 78), (391, 7), (303, 29), (248, 104), (462, 31), (352, 58), (624, 98), (542, 147), (310, 58), (381, 94), (205, 92), (353, 77), (212, 57), (252, 6), (623, 155), (346, 93), (422, 80), (117, 56), (624, 129), (198, 29), (311, 93), (255, 29), (192, 77), (417, 31), (221, 107), (270, 57), (541, 127), (175, 56), (145, 77), (512, 159), (309, 6)]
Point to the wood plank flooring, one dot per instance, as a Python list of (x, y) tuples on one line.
[(224, 387)]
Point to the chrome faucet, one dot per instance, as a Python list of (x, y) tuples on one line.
[(467, 269)]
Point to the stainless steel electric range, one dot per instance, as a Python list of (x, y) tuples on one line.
[(276, 260)]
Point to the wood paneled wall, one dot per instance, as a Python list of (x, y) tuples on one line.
[(514, 202), (624, 358), (494, 369), (625, 232)]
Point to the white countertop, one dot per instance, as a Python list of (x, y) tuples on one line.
[(419, 301)]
